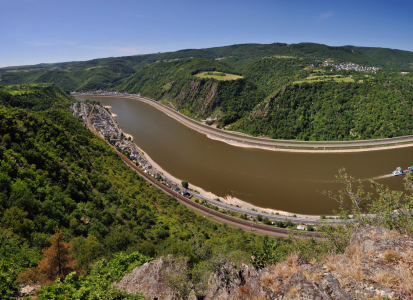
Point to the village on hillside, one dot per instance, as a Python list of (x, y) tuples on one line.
[(80, 110), (349, 66)]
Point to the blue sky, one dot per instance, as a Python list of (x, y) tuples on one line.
[(45, 31)]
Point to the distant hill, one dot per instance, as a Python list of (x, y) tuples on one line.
[(104, 73), (361, 55), (36, 97), (180, 79)]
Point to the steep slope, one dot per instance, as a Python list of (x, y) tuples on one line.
[(199, 97), (335, 111), (55, 172), (63, 79)]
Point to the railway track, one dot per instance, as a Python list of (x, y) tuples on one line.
[(205, 211)]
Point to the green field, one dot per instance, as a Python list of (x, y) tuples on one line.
[(337, 78), (24, 88), (218, 75)]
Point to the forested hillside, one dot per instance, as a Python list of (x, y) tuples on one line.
[(104, 73), (71, 210), (360, 55), (174, 82), (373, 108), (34, 97), (251, 78), (55, 173)]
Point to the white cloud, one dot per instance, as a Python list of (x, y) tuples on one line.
[(325, 16)]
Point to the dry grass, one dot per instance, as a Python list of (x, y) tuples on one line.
[(346, 281), (292, 259), (330, 261), (352, 267), (286, 268), (354, 272), (380, 297), (282, 270), (406, 276), (386, 278), (313, 276), (391, 256), (313, 262), (293, 292), (354, 253), (394, 234), (408, 256), (270, 281)]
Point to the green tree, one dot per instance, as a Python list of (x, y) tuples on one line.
[(15, 219), (87, 250)]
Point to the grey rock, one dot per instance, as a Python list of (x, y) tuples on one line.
[(328, 280), (149, 280)]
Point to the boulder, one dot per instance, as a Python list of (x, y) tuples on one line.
[(149, 280)]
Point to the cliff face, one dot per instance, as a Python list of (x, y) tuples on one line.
[(378, 264), (198, 97)]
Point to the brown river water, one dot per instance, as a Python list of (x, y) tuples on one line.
[(287, 181)]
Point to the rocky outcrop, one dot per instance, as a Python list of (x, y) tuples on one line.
[(202, 97), (378, 264), (28, 290), (263, 108), (148, 279)]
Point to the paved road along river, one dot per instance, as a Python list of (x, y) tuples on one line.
[(278, 180)]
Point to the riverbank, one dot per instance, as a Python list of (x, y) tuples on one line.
[(241, 140), (265, 179), (228, 199), (232, 201)]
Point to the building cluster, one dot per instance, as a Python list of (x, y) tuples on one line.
[(80, 109), (104, 124), (58, 69), (348, 66), (174, 59), (106, 93), (106, 127)]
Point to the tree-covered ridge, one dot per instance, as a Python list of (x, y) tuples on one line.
[(105, 73), (265, 69), (373, 108), (35, 96), (360, 55), (85, 78), (174, 82), (55, 172)]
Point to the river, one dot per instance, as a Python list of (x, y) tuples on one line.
[(287, 181)]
